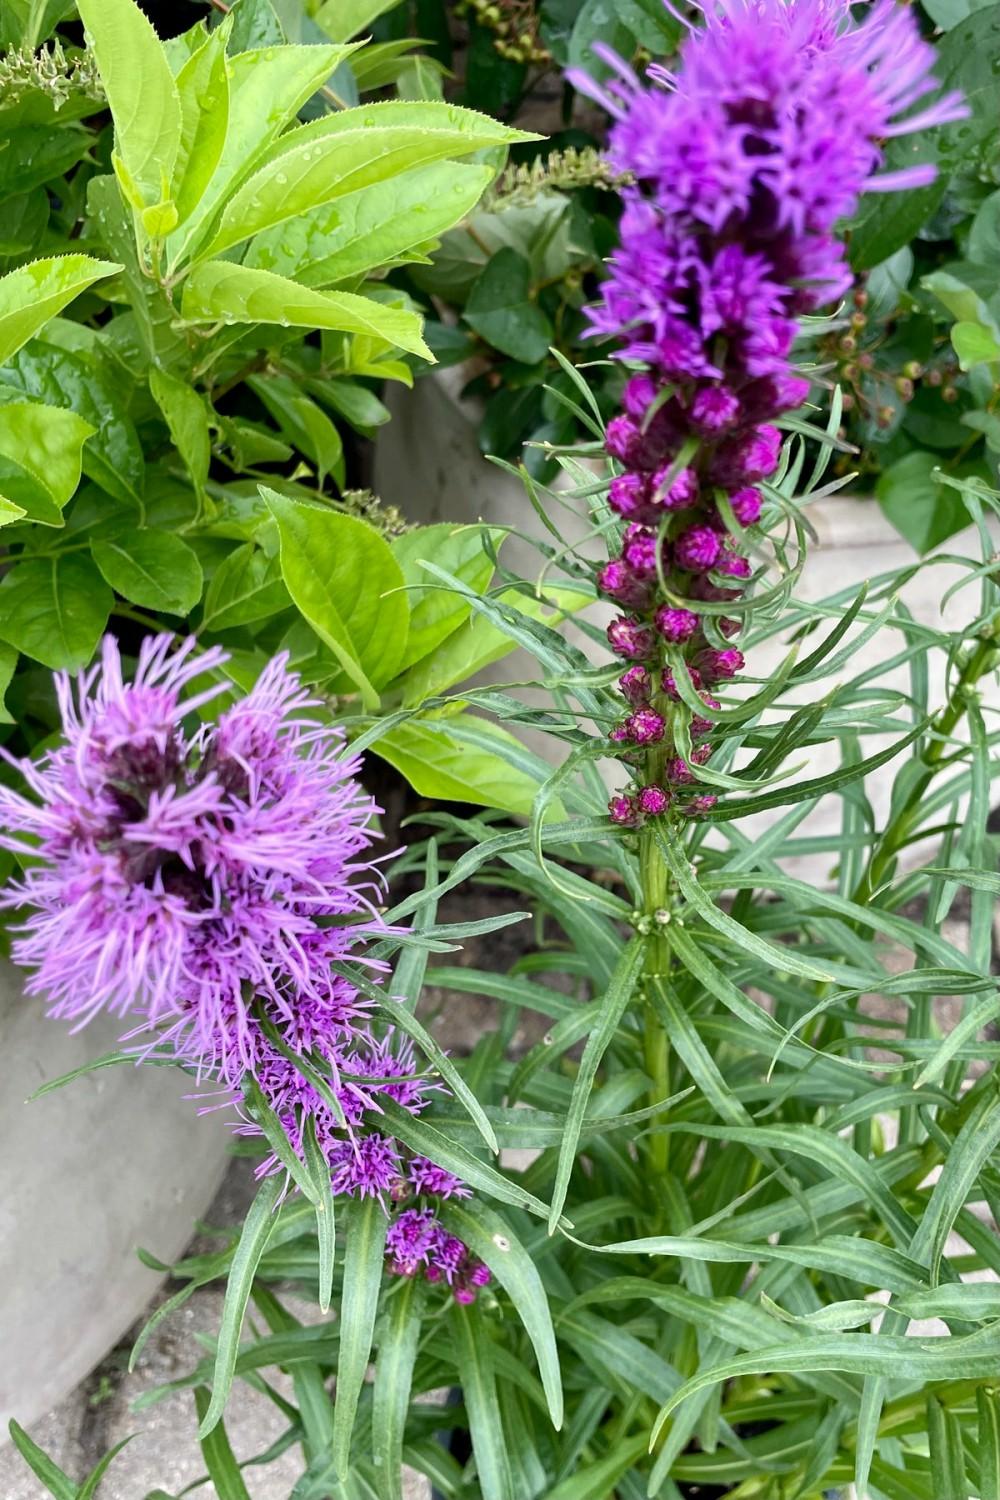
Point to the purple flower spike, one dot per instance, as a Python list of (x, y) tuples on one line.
[(639, 552), (410, 1239), (669, 685), (638, 396), (170, 871)]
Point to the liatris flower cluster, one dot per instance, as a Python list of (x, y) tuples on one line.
[(741, 164), (201, 880)]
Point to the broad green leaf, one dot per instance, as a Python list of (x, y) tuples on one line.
[(256, 1231), (397, 1353), (619, 992), (141, 92), (343, 154), (363, 1269), (948, 13), (220, 1461), (342, 19), (203, 96), (154, 569), (434, 611), (8, 661), (222, 292), (384, 224), (500, 309), (303, 422), (34, 293), (34, 155), (81, 381), (460, 758), (55, 1480), (343, 578), (961, 301), (186, 415), (247, 586), (267, 88), (976, 344), (45, 442), (473, 1347), (492, 1240), (255, 24), (921, 508), (478, 642), (55, 609)]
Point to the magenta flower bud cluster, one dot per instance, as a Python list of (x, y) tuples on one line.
[(739, 164), (200, 883)]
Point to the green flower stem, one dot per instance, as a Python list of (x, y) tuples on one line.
[(656, 897)]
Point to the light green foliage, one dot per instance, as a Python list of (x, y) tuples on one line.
[(174, 367)]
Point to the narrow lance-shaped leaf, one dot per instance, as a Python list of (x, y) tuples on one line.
[(55, 1480), (397, 1353), (363, 1268), (617, 996), (220, 1461), (491, 1239), (318, 1169), (988, 1411), (473, 1352), (257, 1229)]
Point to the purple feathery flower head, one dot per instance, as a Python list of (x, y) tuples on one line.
[(368, 1167), (425, 1177), (179, 870), (410, 1239)]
